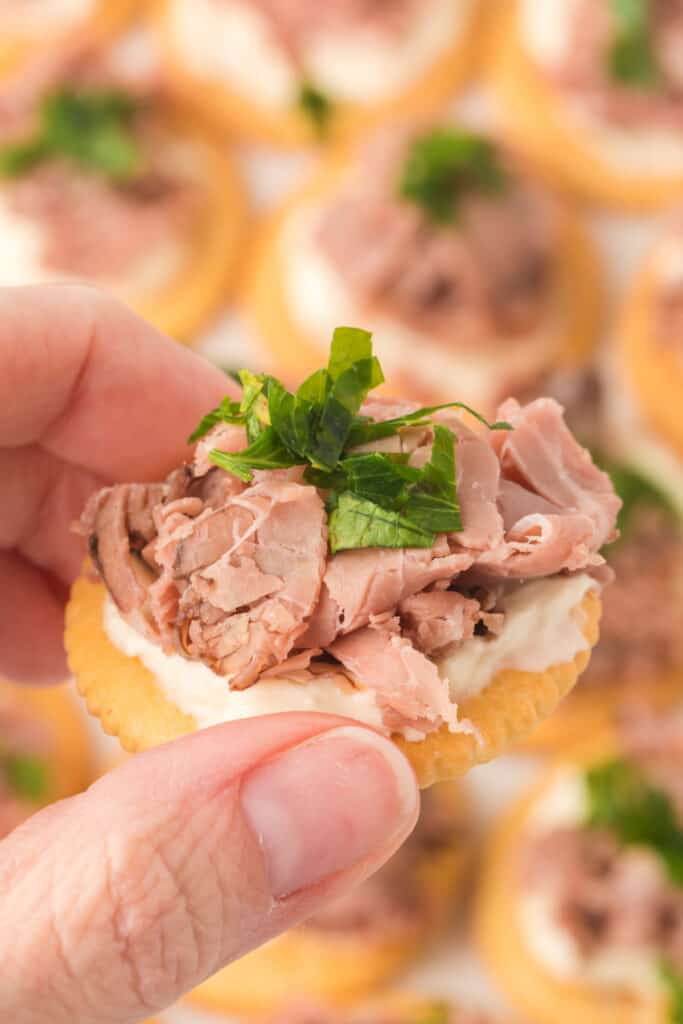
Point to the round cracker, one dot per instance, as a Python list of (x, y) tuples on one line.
[(125, 696), (537, 993), (578, 300), (532, 115), (338, 968), (227, 110)]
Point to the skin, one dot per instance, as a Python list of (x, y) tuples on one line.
[(119, 900)]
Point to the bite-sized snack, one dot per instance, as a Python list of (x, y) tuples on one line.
[(29, 28), (292, 72), (44, 753), (392, 1008), (100, 180), (473, 276), (360, 940), (326, 551), (640, 653), (587, 874), (650, 339), (592, 91)]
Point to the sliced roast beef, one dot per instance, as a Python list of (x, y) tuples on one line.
[(604, 896), (435, 619), (407, 683), (239, 576), (455, 282)]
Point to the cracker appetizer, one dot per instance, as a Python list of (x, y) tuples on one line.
[(292, 73), (30, 28), (101, 181), (473, 276), (592, 92), (363, 938), (44, 754), (586, 871), (327, 551)]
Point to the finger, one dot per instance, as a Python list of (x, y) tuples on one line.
[(118, 901), (31, 624), (95, 385)]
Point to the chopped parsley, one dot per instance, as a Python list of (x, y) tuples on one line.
[(27, 776), (632, 59), (621, 800), (673, 983), (444, 166), (374, 499), (317, 107), (92, 129)]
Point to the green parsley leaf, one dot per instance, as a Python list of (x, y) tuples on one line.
[(365, 431), (632, 59), (92, 129), (673, 983), (373, 498), (359, 523), (444, 166), (266, 452), (27, 776), (621, 799), (316, 107)]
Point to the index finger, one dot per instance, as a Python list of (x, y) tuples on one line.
[(95, 385)]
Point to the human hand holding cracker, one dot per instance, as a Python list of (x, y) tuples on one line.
[(116, 902)]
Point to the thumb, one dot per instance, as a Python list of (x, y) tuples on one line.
[(116, 902)]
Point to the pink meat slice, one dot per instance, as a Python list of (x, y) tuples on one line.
[(436, 619), (252, 573), (407, 684), (370, 581)]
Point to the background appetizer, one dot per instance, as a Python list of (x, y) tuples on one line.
[(366, 936), (393, 1008), (473, 276), (44, 754), (592, 91), (324, 552), (290, 73), (587, 873), (100, 180)]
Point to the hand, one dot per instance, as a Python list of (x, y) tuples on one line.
[(116, 902)]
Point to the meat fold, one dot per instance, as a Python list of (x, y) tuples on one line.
[(239, 576)]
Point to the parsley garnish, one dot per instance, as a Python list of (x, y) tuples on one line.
[(673, 983), (620, 799), (444, 166), (632, 58), (317, 107), (27, 776), (374, 499), (92, 129)]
